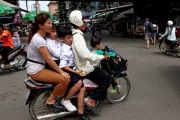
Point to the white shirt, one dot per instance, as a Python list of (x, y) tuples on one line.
[(95, 63), (66, 56), (82, 54), (54, 48), (33, 53), (171, 34)]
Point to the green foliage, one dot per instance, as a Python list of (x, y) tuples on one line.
[(63, 12)]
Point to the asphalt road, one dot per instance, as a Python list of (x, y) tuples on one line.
[(155, 85)]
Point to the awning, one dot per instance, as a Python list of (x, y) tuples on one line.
[(94, 15), (116, 8), (102, 14), (122, 14), (9, 4)]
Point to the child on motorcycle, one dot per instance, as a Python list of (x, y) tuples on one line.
[(67, 64), (96, 48)]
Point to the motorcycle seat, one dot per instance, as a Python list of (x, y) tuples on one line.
[(88, 83), (37, 82), (16, 48)]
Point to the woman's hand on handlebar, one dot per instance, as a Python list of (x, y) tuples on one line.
[(66, 75)]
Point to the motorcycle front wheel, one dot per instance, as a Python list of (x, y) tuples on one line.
[(21, 58), (162, 47), (37, 108), (120, 92)]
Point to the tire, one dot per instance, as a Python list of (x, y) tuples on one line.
[(21, 58), (37, 108), (178, 54), (117, 97), (162, 47)]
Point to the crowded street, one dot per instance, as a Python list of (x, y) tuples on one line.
[(154, 77)]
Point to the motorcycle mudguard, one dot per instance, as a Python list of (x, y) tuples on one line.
[(160, 41), (33, 94), (121, 75), (24, 64)]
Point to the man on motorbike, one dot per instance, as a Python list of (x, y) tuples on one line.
[(170, 33), (8, 44), (82, 57)]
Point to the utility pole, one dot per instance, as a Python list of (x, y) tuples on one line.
[(37, 6), (26, 5)]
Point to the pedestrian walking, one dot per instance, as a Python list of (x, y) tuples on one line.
[(154, 33), (147, 32)]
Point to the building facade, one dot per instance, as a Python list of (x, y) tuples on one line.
[(53, 7)]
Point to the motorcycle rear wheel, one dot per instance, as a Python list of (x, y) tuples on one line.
[(37, 106), (21, 58), (124, 89)]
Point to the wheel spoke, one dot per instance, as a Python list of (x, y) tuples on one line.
[(120, 92)]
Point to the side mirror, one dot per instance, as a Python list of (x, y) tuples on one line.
[(106, 48)]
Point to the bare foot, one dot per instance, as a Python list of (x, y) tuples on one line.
[(7, 66), (91, 102)]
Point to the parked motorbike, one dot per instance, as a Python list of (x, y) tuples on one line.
[(17, 58), (38, 93), (23, 31), (174, 47), (96, 31)]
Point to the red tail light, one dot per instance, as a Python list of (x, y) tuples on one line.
[(30, 87)]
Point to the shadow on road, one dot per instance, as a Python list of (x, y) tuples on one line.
[(7, 72)]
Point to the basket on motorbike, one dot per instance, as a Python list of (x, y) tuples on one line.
[(114, 66)]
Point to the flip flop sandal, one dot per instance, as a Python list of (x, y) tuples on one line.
[(92, 108)]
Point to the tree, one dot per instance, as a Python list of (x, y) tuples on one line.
[(64, 9), (26, 6)]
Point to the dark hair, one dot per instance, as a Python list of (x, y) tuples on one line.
[(95, 41), (64, 30), (1, 26), (39, 19), (146, 19)]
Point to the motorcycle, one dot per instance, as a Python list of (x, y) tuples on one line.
[(174, 47), (17, 58), (23, 31), (96, 31), (38, 93)]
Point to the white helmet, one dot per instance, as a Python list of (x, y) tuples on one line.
[(170, 22), (75, 18)]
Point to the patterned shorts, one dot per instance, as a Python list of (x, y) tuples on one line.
[(147, 36)]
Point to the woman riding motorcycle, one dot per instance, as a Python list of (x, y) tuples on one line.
[(170, 33)]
